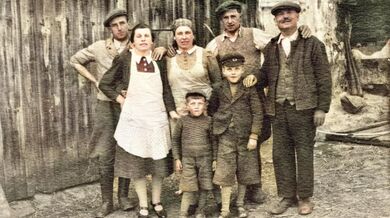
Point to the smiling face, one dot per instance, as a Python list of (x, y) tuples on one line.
[(184, 38), (119, 28), (287, 19), (142, 41), (196, 105), (233, 74), (231, 20)]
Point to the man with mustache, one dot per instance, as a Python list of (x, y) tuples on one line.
[(250, 42), (296, 72)]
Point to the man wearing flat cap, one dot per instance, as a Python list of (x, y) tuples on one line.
[(296, 72), (103, 52), (251, 43)]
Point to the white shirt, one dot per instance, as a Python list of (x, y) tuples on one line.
[(286, 41), (120, 46)]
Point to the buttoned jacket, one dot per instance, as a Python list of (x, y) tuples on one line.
[(243, 110), (310, 70)]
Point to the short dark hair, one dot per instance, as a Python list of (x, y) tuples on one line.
[(140, 26)]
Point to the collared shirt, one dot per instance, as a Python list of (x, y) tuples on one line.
[(120, 46), (188, 52), (286, 41), (137, 57), (260, 38)]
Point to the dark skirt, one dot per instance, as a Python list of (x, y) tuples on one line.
[(134, 167)]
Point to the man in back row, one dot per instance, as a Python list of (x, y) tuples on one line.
[(107, 112), (250, 42)]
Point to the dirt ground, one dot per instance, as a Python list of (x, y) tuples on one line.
[(350, 181)]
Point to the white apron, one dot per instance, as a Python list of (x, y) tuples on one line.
[(143, 128)]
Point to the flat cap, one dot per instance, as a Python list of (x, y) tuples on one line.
[(232, 59), (196, 92), (285, 5), (113, 14), (227, 5)]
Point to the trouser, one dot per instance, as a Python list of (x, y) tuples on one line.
[(293, 143), (106, 118)]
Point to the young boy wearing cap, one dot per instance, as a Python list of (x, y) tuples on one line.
[(237, 118), (193, 152)]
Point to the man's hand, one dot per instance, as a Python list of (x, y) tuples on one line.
[(214, 165), (120, 99), (252, 144), (305, 31), (158, 53), (171, 51), (174, 115), (124, 93), (250, 80), (178, 165), (319, 117)]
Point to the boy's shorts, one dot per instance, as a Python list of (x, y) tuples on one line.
[(234, 159), (197, 174)]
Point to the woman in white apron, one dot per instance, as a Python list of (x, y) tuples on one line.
[(142, 132)]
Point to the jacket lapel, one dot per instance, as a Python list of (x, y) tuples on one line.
[(240, 91), (226, 90)]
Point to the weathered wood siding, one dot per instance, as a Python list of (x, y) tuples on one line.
[(46, 112)]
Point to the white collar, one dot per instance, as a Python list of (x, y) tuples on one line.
[(137, 57), (292, 37), (189, 51)]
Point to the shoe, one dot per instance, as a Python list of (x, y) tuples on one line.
[(224, 215), (104, 210), (143, 215), (254, 194), (305, 206), (283, 205), (160, 213), (126, 204), (242, 212), (192, 209)]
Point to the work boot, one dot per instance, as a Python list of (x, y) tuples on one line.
[(106, 186), (104, 210), (254, 194), (283, 205), (305, 206), (123, 191)]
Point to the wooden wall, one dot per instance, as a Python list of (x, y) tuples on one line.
[(46, 110)]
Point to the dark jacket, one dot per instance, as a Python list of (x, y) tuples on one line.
[(117, 78), (310, 69), (244, 109)]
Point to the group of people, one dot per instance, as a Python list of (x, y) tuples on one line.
[(204, 113)]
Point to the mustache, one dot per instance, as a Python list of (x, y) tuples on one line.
[(286, 19)]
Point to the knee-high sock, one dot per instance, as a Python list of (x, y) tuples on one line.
[(226, 192), (241, 194), (156, 189), (217, 194), (186, 200), (140, 188)]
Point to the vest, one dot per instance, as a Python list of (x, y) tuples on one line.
[(245, 45), (285, 86)]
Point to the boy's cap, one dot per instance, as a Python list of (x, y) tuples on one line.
[(196, 93), (227, 5), (113, 14), (285, 5), (232, 60)]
